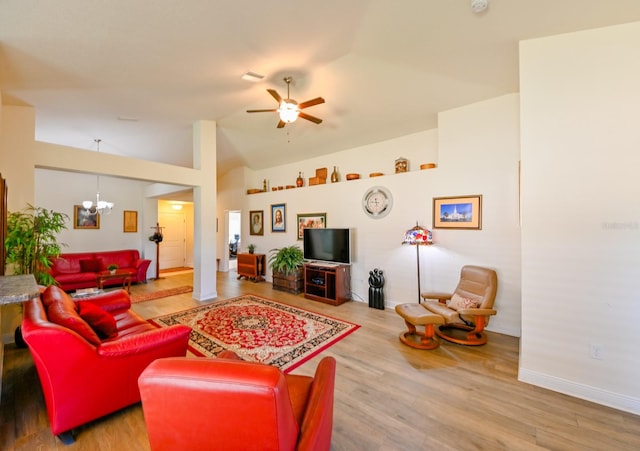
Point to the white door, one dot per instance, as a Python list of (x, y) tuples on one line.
[(173, 249)]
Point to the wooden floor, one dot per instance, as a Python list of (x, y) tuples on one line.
[(387, 397)]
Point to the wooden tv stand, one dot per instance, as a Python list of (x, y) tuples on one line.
[(328, 283)]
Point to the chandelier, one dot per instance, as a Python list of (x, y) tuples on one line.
[(100, 207)]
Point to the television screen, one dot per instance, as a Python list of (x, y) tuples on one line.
[(330, 245)]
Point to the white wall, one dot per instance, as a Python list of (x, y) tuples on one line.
[(581, 214), (477, 152), (60, 191)]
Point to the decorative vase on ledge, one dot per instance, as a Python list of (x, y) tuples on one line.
[(334, 175)]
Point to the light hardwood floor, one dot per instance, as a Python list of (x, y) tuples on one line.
[(387, 396)]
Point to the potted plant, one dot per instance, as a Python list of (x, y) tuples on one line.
[(30, 244), (251, 247), (286, 266), (112, 268)]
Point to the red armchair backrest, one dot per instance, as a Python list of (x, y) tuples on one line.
[(234, 405)]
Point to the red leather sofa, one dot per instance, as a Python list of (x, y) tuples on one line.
[(229, 404), (89, 354), (78, 270)]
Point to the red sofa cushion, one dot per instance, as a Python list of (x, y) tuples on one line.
[(102, 322), (91, 265), (64, 314)]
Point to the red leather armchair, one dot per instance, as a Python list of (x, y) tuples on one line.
[(226, 403), (85, 376)]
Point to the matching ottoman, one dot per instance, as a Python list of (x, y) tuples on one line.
[(416, 315)]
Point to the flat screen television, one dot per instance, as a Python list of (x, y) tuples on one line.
[(327, 245)]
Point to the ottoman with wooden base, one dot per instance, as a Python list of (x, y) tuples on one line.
[(416, 315)]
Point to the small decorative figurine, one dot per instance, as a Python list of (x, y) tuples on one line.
[(402, 165), (299, 180), (376, 282)]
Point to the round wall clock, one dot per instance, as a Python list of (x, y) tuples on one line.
[(377, 202)]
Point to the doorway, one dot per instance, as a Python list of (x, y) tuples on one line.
[(233, 239), (173, 252)]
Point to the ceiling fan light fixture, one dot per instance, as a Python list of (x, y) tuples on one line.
[(289, 111)]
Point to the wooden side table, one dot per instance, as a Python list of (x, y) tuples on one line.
[(118, 274), (251, 266)]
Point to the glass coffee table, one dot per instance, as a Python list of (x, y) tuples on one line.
[(117, 274), (84, 293)]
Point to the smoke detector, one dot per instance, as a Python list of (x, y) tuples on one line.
[(479, 5)]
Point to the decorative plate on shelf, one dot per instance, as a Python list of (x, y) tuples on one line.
[(377, 202)]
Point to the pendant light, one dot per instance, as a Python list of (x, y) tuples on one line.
[(100, 207)]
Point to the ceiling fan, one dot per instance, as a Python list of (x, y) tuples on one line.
[(289, 109)]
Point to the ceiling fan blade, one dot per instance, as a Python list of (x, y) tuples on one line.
[(262, 111), (281, 124), (310, 118), (312, 102), (275, 95)]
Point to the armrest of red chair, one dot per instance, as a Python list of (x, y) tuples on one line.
[(317, 424), (111, 300), (141, 265), (160, 338)]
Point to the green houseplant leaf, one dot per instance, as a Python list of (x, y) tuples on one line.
[(286, 260), (31, 241)]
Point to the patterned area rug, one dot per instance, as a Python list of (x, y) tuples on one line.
[(142, 297), (259, 330)]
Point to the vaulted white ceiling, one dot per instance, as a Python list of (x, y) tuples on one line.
[(138, 74)]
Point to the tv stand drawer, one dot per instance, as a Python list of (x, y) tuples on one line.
[(330, 284)]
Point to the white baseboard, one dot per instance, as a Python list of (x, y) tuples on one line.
[(586, 392)]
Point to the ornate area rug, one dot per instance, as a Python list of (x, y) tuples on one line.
[(142, 297), (259, 330)]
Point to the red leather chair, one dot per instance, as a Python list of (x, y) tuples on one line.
[(84, 375), (229, 404)]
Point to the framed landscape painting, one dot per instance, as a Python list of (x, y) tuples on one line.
[(460, 212), (84, 219), (311, 221)]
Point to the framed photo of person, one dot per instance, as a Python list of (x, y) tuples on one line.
[(279, 218), (84, 219), (256, 226)]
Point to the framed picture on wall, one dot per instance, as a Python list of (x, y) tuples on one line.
[(279, 218), (459, 212), (83, 218), (257, 222), (130, 221), (311, 221)]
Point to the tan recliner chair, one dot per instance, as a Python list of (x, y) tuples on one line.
[(468, 308), (459, 317)]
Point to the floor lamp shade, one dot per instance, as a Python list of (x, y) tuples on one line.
[(418, 236)]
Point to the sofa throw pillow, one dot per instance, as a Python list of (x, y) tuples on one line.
[(62, 314), (101, 321), (458, 302), (54, 293), (90, 265)]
